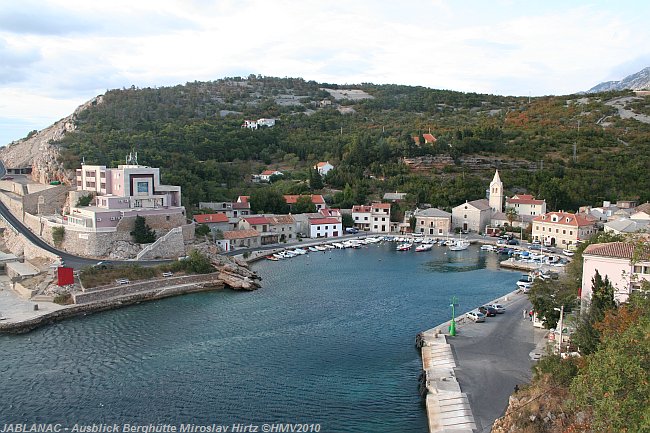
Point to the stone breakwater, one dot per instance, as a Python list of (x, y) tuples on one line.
[(102, 304)]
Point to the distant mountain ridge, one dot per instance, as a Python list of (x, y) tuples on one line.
[(638, 81)]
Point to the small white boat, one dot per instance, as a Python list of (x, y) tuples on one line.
[(338, 245), (423, 247), (278, 256), (488, 248), (272, 258), (320, 248), (299, 251), (459, 245), (404, 247), (313, 249)]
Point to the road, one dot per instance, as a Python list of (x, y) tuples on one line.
[(70, 260), (493, 357)]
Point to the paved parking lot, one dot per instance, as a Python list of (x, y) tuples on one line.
[(494, 356)]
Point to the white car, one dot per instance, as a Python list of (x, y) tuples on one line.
[(476, 316), (524, 285), (500, 308)]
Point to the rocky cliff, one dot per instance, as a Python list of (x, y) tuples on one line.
[(38, 152), (638, 81)]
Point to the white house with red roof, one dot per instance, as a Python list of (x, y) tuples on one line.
[(216, 221), (380, 218), (625, 264), (563, 228), (323, 167), (362, 217), (325, 228), (526, 204), (265, 176)]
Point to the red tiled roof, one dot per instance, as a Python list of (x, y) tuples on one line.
[(254, 220), (243, 198), (330, 212), (361, 208), (381, 205), (566, 219), (322, 164), (268, 172), (429, 138), (282, 219), (242, 205), (313, 221), (211, 218), (621, 250), (240, 234), (315, 198), (524, 199)]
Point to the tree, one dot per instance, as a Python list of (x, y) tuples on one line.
[(201, 230), (268, 200), (58, 234), (587, 336), (347, 221), (304, 205), (84, 200), (142, 233), (548, 296), (511, 215), (614, 385), (315, 180)]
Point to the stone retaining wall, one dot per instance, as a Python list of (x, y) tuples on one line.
[(106, 292)]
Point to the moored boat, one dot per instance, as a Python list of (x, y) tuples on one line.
[(404, 247), (423, 247)]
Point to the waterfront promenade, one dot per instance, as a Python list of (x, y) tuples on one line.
[(483, 363)]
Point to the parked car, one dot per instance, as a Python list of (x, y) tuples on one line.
[(488, 310), (476, 316), (513, 242), (351, 230), (524, 285), (500, 308)]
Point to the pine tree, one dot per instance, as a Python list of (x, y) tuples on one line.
[(142, 233)]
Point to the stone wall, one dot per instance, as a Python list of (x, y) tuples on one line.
[(54, 199), (20, 246), (170, 245), (107, 292)]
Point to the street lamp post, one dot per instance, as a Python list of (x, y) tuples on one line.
[(452, 325)]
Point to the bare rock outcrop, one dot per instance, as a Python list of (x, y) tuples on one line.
[(38, 151), (234, 272)]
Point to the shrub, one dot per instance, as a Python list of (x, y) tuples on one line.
[(58, 234), (560, 371)]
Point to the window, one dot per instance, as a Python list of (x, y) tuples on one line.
[(638, 269), (563, 232)]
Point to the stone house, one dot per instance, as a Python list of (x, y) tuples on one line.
[(432, 222), (243, 238)]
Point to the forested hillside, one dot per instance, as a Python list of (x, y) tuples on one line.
[(193, 133)]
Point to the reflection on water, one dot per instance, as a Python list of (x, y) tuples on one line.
[(328, 339)]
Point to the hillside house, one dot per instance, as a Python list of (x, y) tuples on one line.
[(323, 168), (265, 176), (615, 260), (243, 238), (216, 221)]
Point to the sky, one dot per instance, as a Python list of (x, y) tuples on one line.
[(57, 54)]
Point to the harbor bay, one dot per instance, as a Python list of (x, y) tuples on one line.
[(328, 339)]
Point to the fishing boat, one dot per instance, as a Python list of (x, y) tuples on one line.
[(272, 258), (404, 247), (423, 247)]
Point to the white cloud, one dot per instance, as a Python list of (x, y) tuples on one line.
[(71, 50)]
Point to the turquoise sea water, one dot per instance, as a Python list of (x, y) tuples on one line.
[(329, 339)]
